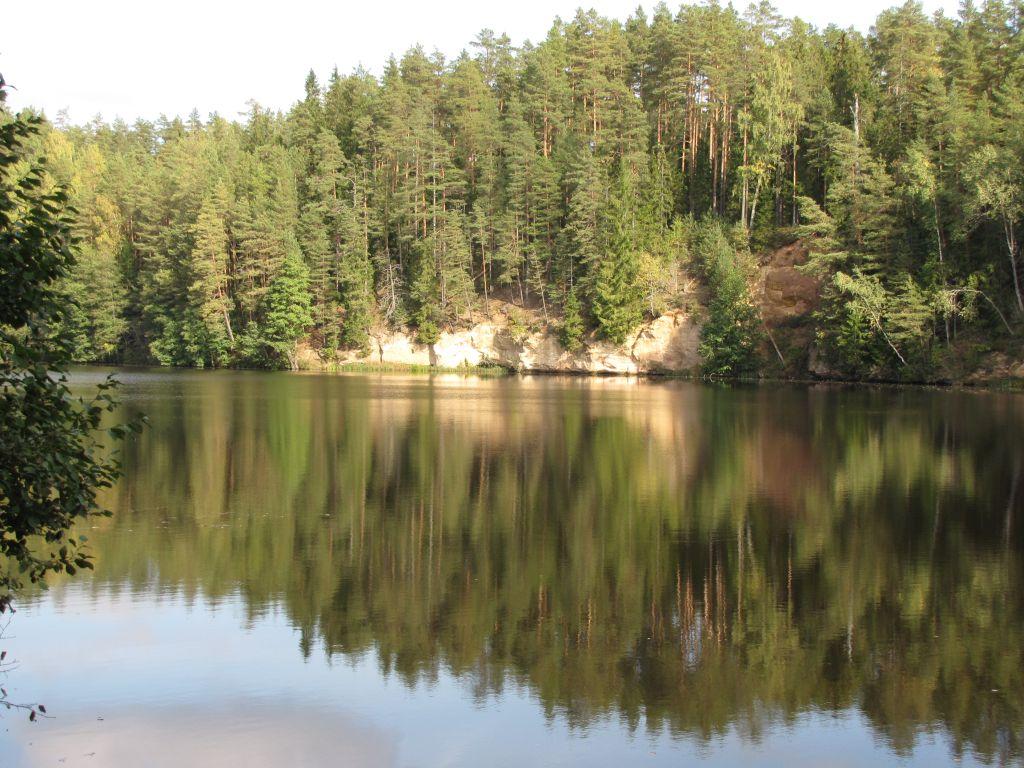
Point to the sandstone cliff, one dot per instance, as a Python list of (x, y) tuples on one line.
[(521, 340), (667, 344)]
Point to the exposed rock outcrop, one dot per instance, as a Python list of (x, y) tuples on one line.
[(997, 367), (787, 296), (786, 292), (667, 344), (521, 340)]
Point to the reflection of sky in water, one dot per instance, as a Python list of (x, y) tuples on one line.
[(181, 682), (544, 571)]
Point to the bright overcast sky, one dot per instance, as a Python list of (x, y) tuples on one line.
[(137, 58)]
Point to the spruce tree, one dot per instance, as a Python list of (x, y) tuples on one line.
[(616, 298), (729, 334), (287, 313)]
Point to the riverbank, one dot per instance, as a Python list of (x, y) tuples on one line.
[(517, 341), (510, 339)]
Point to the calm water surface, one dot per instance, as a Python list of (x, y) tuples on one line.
[(448, 571)]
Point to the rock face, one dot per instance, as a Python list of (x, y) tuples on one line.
[(786, 297), (997, 367), (400, 348), (667, 344), (787, 293)]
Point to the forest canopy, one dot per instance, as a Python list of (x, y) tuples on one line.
[(581, 177)]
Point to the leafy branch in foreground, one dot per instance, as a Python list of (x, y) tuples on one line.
[(35, 710), (54, 447)]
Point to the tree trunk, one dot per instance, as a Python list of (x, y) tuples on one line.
[(746, 181), (796, 214), (753, 203), (227, 324), (1011, 245)]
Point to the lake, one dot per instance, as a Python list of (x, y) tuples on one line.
[(389, 570)]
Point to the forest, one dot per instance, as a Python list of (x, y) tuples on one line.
[(583, 179)]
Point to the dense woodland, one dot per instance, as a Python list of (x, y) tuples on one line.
[(586, 178)]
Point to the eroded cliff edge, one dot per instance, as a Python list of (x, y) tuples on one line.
[(666, 344), (517, 339)]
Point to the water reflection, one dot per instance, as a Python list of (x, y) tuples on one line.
[(689, 559)]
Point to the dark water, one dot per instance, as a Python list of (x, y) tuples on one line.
[(414, 571)]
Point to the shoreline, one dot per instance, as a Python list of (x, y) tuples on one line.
[(1000, 384)]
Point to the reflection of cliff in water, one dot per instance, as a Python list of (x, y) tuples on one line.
[(702, 556)]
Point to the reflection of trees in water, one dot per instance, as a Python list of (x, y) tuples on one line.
[(701, 557)]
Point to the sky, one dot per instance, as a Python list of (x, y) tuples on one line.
[(133, 58)]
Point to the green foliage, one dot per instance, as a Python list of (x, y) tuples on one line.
[(427, 332), (425, 293), (209, 305), (997, 193), (95, 298), (287, 313), (730, 334), (517, 174), (572, 330), (876, 316), (517, 327), (871, 324), (356, 288), (53, 446), (580, 239), (616, 298)]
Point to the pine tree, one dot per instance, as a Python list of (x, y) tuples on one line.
[(208, 294), (497, 175)]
